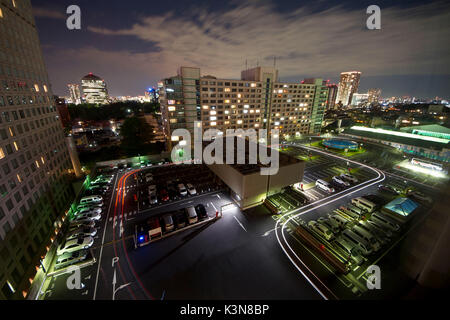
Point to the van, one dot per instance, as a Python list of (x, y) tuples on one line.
[(381, 219), (352, 211), (91, 200), (360, 244), (364, 204), (191, 215), (340, 221), (168, 222), (321, 230), (366, 235), (324, 186), (381, 228), (329, 224), (378, 234), (347, 248)]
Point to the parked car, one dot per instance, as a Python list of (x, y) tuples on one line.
[(70, 258), (77, 231), (87, 216), (168, 222), (329, 224), (340, 182), (388, 189), (74, 225), (420, 197), (163, 195), (180, 219), (191, 189), (75, 245), (321, 230), (89, 210), (182, 189), (91, 199), (348, 177), (191, 215), (201, 211)]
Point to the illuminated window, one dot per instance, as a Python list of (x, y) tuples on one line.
[(171, 101), (175, 138), (37, 163), (18, 178), (45, 88), (227, 101), (171, 108), (246, 106), (213, 123), (36, 87), (1, 13), (42, 159), (212, 118), (173, 121), (11, 132), (14, 3), (16, 146), (205, 107), (253, 85), (239, 122), (2, 154)]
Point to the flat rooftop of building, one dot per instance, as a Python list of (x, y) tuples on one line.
[(403, 138), (250, 168)]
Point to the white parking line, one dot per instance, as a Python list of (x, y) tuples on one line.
[(242, 226)]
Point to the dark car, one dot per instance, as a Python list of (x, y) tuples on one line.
[(201, 211), (388, 188), (163, 195), (180, 219)]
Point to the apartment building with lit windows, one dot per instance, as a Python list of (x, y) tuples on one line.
[(256, 101), (348, 86), (34, 161)]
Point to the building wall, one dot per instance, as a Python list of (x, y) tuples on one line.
[(291, 108), (34, 160), (287, 175)]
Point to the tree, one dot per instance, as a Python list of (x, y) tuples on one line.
[(136, 135)]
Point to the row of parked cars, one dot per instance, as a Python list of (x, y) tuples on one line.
[(340, 182), (350, 231), (155, 227), (81, 232)]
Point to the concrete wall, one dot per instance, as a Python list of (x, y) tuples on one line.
[(287, 175)]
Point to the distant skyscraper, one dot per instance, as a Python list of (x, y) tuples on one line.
[(75, 94), (359, 98), (348, 85), (332, 94), (373, 95), (94, 89), (34, 159)]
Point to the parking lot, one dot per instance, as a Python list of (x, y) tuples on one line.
[(352, 283)]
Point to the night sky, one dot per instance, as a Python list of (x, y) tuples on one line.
[(132, 44)]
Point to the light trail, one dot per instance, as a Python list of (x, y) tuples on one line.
[(380, 177)]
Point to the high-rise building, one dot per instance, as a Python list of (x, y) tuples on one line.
[(348, 85), (373, 95), (75, 94), (359, 98), (63, 111), (332, 94), (34, 160), (256, 101), (94, 89)]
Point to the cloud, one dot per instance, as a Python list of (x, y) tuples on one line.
[(49, 13), (412, 41)]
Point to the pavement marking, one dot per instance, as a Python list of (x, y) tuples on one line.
[(103, 240), (242, 226), (214, 206)]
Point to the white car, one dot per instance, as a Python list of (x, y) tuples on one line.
[(349, 177), (69, 258), (89, 210), (81, 231), (321, 229), (75, 245), (87, 216), (74, 225), (191, 189), (340, 181), (182, 189)]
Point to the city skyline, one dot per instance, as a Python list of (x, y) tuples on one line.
[(146, 45)]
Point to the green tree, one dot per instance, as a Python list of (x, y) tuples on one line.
[(136, 135)]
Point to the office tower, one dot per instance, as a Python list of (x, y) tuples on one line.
[(75, 95), (256, 101), (34, 161), (348, 85), (94, 89), (373, 95), (332, 94)]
